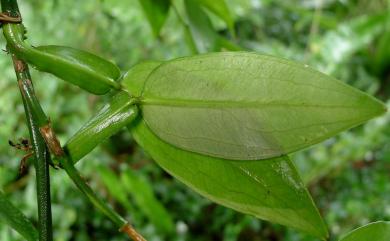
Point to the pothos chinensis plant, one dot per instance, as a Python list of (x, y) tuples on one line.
[(223, 123)]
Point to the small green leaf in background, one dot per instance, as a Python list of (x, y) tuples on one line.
[(205, 37), (246, 106), (143, 195), (219, 8), (156, 11), (115, 187), (381, 59), (271, 189), (377, 231), (202, 30), (16, 219)]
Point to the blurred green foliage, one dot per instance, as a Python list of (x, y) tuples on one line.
[(348, 176)]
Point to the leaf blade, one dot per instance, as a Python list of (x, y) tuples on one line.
[(201, 28), (270, 190), (156, 12), (134, 79), (245, 106), (219, 8), (378, 231)]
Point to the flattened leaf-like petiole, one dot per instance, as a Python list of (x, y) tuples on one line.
[(120, 112)]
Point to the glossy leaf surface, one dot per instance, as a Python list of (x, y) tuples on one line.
[(118, 113), (378, 231), (269, 189), (246, 106), (88, 71), (156, 11), (16, 219)]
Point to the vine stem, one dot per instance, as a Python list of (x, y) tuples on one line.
[(44, 141), (41, 153)]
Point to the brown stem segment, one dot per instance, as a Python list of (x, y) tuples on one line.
[(51, 140), (131, 232), (5, 18)]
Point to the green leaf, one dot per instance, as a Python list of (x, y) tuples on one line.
[(219, 8), (118, 113), (156, 11), (246, 106), (378, 231), (381, 61), (269, 189), (201, 28), (115, 186), (86, 70), (143, 194), (135, 78), (16, 219)]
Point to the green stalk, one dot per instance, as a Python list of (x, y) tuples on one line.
[(42, 160), (119, 112), (42, 155), (67, 164)]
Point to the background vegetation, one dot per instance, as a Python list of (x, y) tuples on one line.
[(348, 176)]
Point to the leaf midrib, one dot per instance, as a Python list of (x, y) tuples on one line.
[(191, 103)]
